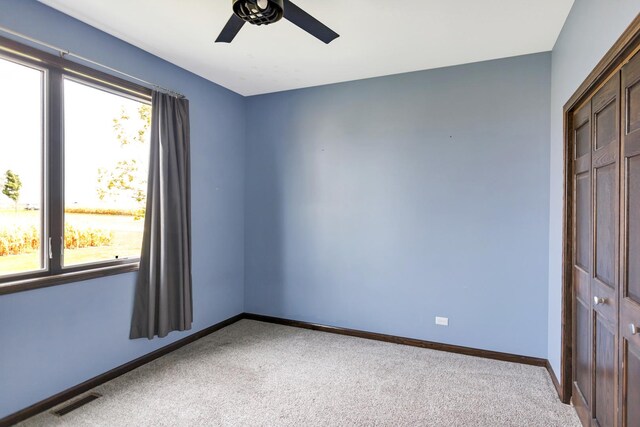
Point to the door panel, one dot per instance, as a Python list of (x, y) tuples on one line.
[(631, 392), (583, 242), (583, 351), (604, 280), (583, 144), (583, 222), (606, 212), (633, 228), (606, 125), (605, 367), (633, 103)]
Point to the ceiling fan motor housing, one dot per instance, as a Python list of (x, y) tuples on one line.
[(259, 12)]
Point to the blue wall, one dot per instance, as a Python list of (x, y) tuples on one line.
[(54, 338), (591, 29), (379, 204)]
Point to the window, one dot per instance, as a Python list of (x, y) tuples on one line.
[(73, 169), (106, 155), (21, 166)]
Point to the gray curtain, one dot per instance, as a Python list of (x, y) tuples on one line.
[(163, 301)]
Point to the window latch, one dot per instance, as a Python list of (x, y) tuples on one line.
[(51, 247)]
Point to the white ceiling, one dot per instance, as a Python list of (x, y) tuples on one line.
[(377, 37)]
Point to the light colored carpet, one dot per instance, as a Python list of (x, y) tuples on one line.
[(258, 374)]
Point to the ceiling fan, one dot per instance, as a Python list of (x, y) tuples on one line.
[(265, 12)]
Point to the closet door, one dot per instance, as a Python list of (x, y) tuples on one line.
[(596, 201), (605, 120), (582, 259), (630, 265)]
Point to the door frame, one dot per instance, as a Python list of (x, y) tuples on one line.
[(623, 49)]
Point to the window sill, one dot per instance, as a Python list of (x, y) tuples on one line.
[(59, 279)]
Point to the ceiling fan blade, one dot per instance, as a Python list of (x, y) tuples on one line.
[(230, 30), (308, 23)]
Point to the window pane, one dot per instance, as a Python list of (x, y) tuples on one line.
[(106, 144), (20, 168)]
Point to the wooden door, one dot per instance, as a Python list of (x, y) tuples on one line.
[(596, 201), (605, 121), (630, 262), (582, 259)]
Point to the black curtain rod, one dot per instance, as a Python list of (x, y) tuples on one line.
[(64, 52)]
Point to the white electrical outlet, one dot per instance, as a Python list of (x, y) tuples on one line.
[(442, 321)]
